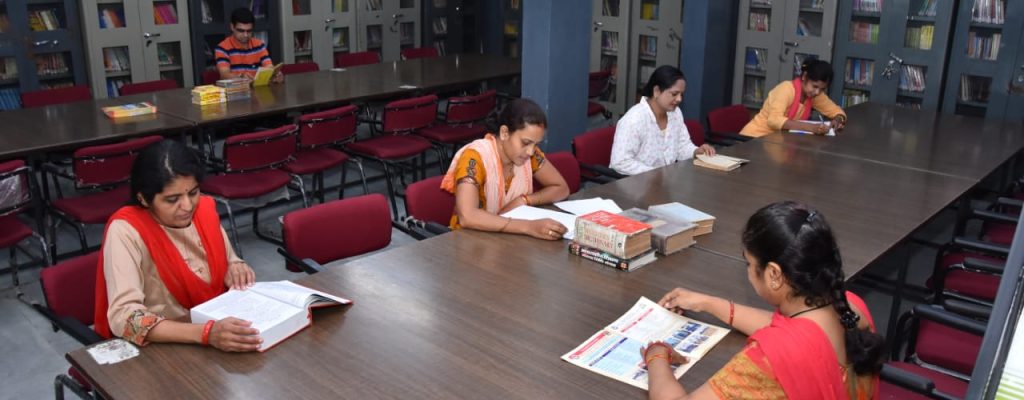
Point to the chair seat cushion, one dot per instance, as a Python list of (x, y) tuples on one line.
[(977, 285), (594, 108), (999, 232), (943, 382), (315, 160), (936, 340), (95, 208), (245, 185), (12, 231), (451, 134), (391, 147)]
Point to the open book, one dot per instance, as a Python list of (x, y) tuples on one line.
[(533, 213), (719, 162), (277, 309), (265, 74), (615, 350)]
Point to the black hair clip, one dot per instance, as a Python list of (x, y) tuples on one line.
[(849, 319), (811, 215)]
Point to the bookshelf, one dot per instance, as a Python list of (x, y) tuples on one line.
[(986, 64), (511, 27), (774, 37), (315, 30), (40, 48), (387, 26), (609, 50), (891, 52), (209, 25), (452, 26)]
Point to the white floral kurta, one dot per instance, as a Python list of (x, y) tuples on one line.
[(640, 145)]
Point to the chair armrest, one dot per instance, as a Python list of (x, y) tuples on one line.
[(993, 216), (436, 228), (981, 245), (602, 170), (56, 171), (308, 265), (942, 316), (969, 309), (906, 379), (1007, 201), (984, 265), (73, 327)]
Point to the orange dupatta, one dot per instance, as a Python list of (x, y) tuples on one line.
[(494, 189), (793, 108)]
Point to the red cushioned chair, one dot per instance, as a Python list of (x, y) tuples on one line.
[(346, 60), (599, 84), (463, 122), (593, 151), (147, 87), (725, 124), (567, 166), (967, 270), (939, 348), (69, 291), (210, 76), (428, 207), (696, 131), (419, 52), (335, 230), (47, 97), (102, 173), (397, 148), (320, 136), (17, 194), (251, 169), (299, 68)]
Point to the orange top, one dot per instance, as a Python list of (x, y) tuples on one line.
[(243, 59), (773, 113)]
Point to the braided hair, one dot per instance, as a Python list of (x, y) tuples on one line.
[(800, 241)]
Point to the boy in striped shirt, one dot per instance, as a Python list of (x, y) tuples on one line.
[(240, 55)]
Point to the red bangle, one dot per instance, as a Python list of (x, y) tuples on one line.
[(655, 344), (732, 311), (205, 339)]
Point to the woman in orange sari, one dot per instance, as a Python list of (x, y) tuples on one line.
[(166, 253), (791, 102), (818, 344), (494, 175)]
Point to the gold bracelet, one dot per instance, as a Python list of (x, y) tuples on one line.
[(648, 360)]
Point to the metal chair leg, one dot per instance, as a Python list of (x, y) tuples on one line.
[(362, 175), (234, 229), (14, 265), (297, 181), (391, 190), (344, 176), (43, 246), (81, 236)]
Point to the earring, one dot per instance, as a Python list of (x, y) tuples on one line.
[(775, 285)]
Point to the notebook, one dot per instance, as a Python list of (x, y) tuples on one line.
[(265, 74)]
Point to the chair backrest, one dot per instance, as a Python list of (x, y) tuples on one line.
[(299, 68), (935, 340), (730, 119), (594, 147), (353, 59), (149, 86), (70, 287), (259, 150), (696, 131), (426, 201), (467, 109), (598, 83), (47, 97), (419, 52), (107, 164), (334, 126), (567, 166), (408, 115), (210, 76), (15, 192), (338, 229)]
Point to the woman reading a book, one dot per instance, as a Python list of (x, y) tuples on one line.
[(494, 175), (165, 253), (818, 344), (789, 104), (652, 133)]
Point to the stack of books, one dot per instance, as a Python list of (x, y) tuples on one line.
[(613, 240), (235, 88), (129, 110), (208, 94), (666, 237), (681, 213)]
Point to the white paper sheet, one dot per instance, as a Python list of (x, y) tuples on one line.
[(587, 206), (534, 213), (831, 131)]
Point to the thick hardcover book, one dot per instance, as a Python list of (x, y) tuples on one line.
[(613, 233), (611, 260)]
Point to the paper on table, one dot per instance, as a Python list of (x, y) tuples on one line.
[(831, 132), (587, 206), (534, 213)]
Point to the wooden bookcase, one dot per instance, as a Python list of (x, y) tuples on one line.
[(452, 26), (388, 26), (316, 30), (40, 48)]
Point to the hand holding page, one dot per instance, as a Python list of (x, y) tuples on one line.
[(265, 74), (719, 162), (831, 131), (533, 213), (587, 206)]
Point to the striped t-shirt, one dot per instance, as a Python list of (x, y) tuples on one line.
[(242, 59)]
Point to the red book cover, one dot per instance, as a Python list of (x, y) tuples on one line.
[(616, 222)]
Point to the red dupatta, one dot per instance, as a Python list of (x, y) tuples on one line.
[(187, 288), (799, 353), (793, 108)]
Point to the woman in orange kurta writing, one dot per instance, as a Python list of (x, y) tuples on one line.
[(791, 102)]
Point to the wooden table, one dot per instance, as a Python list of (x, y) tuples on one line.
[(925, 140), (463, 315), (66, 126), (870, 206)]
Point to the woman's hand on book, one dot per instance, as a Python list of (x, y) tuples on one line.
[(704, 149), (839, 122), (547, 229), (233, 334), (240, 276), (662, 350), (679, 300)]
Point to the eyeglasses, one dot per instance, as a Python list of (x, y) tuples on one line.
[(242, 30)]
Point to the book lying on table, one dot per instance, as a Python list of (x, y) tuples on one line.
[(612, 233), (719, 162), (277, 309), (831, 131), (679, 212), (608, 259), (129, 110), (667, 237), (615, 350), (265, 74), (531, 213)]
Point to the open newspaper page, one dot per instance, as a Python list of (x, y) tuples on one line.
[(615, 350)]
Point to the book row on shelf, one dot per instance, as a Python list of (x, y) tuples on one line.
[(911, 104), (761, 3), (440, 25), (863, 32), (974, 88), (165, 14), (51, 64), (759, 21), (815, 4), (610, 8), (983, 47), (929, 8), (648, 46), (115, 59), (753, 90), (111, 17), (205, 13), (610, 64), (806, 28), (912, 78), (10, 99), (114, 86), (8, 69), (258, 8), (43, 20), (610, 41), (373, 5), (757, 59), (920, 37), (339, 6), (441, 48), (300, 7), (340, 38), (373, 36), (406, 33), (859, 71), (867, 5), (649, 11), (989, 11), (303, 41), (853, 97), (166, 55), (511, 28)]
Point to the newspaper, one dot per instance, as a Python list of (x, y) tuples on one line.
[(615, 350)]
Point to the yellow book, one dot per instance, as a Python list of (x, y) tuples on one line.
[(265, 74), (129, 110)]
